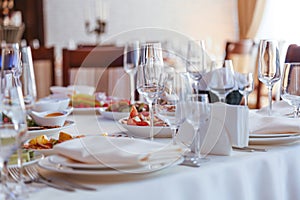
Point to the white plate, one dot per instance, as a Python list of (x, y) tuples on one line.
[(273, 140), (48, 165), (114, 115), (36, 157), (61, 160), (272, 135), (144, 131), (50, 131)]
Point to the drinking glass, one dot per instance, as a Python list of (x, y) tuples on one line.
[(269, 66), (13, 128), (131, 61), (197, 113), (246, 85), (28, 78), (170, 104), (290, 86), (150, 76), (222, 80), (196, 63)]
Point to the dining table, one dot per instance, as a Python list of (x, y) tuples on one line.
[(247, 175)]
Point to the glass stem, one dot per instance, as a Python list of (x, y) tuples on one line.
[(151, 121), (132, 88), (222, 98), (246, 99), (197, 143), (270, 100), (174, 132)]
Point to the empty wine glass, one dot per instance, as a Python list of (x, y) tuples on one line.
[(150, 76), (222, 80), (290, 86), (28, 78), (170, 104), (245, 85), (131, 61), (197, 113), (13, 128), (196, 62), (269, 66)]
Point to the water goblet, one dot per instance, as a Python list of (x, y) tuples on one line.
[(245, 85), (131, 61), (222, 80), (170, 103), (197, 113), (269, 66), (290, 86), (150, 76)]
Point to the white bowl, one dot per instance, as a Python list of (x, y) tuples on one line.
[(114, 115), (61, 90), (42, 118), (144, 131), (51, 104)]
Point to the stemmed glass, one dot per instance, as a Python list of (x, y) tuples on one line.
[(246, 85), (269, 66), (196, 62), (131, 61), (150, 76), (197, 113), (222, 80), (290, 86), (28, 78), (13, 128), (170, 104)]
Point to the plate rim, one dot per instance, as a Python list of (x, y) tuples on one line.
[(45, 131), (274, 140)]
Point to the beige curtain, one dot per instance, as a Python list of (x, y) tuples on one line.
[(250, 13)]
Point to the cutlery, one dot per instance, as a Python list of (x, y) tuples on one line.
[(250, 149)]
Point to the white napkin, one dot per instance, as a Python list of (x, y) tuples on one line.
[(227, 127), (118, 151), (279, 122)]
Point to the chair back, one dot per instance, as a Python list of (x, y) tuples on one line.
[(293, 53)]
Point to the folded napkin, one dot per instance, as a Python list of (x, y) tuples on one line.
[(279, 122), (123, 151), (227, 127)]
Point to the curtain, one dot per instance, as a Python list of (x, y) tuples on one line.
[(250, 13)]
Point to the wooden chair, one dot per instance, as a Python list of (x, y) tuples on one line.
[(293, 53), (44, 64), (106, 59)]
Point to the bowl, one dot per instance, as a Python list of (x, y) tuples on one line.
[(144, 131), (50, 118), (114, 115), (51, 104)]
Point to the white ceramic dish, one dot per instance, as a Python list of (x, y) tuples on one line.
[(144, 131), (49, 131), (42, 118), (276, 140), (51, 104), (114, 115), (48, 165)]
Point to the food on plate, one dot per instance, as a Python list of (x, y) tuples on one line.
[(119, 106), (85, 101), (43, 142), (142, 118), (27, 155)]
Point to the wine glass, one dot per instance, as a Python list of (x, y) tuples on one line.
[(222, 80), (196, 61), (246, 85), (170, 104), (150, 76), (13, 127), (290, 86), (11, 60), (269, 66), (28, 78), (131, 61), (197, 113)]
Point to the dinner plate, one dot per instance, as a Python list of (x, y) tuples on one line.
[(36, 158), (114, 115), (274, 140), (61, 160), (48, 165), (144, 131), (272, 135), (50, 131)]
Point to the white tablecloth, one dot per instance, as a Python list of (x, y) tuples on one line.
[(243, 176)]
